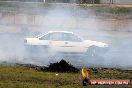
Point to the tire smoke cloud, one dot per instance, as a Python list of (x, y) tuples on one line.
[(85, 22)]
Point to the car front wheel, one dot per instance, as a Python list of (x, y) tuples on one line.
[(92, 51)]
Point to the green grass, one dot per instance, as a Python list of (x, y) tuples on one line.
[(23, 77)]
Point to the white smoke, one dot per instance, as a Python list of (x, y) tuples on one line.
[(84, 22)]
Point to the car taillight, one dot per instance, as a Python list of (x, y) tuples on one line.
[(25, 41)]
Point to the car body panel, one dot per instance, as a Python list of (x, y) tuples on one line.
[(67, 46), (63, 41)]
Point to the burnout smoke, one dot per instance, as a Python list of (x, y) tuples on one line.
[(85, 22)]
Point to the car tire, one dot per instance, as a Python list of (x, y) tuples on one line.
[(92, 51)]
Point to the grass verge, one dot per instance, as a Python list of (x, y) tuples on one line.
[(25, 77)]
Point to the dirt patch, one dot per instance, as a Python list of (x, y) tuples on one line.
[(61, 66)]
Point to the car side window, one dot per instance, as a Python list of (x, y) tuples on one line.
[(75, 38), (56, 37), (71, 37), (61, 37)]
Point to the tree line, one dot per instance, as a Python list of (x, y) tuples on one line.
[(64, 1)]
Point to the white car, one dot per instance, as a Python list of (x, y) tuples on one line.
[(64, 42)]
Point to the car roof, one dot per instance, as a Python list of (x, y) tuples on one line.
[(60, 32)]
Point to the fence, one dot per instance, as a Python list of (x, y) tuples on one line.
[(78, 1)]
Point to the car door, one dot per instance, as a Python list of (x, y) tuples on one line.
[(67, 43), (57, 43), (73, 43)]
